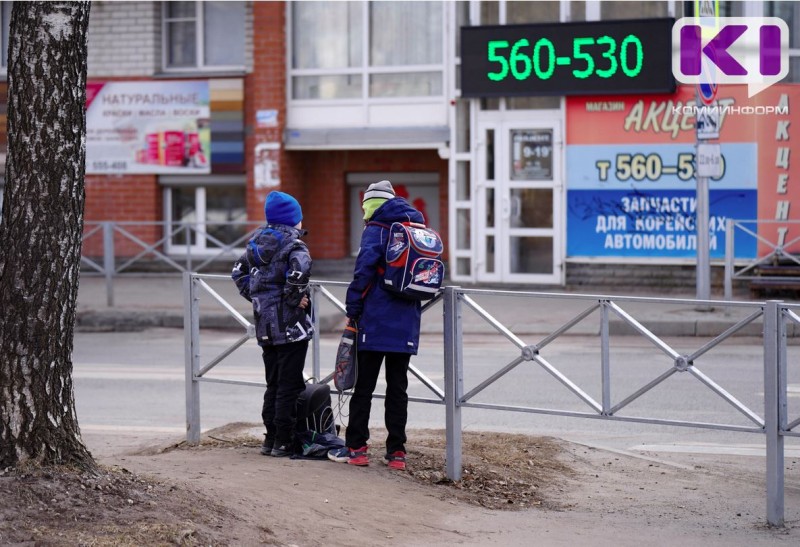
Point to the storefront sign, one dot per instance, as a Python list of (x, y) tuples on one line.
[(148, 127), (603, 57), (631, 172)]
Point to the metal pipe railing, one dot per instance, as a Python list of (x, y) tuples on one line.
[(773, 423), (778, 251)]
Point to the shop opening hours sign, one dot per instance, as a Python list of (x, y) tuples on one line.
[(601, 57)]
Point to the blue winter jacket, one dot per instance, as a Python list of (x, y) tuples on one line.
[(273, 274), (386, 322)]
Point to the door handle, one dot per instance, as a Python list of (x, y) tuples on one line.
[(506, 209), (516, 207)]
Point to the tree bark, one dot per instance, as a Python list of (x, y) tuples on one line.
[(40, 234)]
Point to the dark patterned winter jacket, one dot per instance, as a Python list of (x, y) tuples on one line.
[(273, 274)]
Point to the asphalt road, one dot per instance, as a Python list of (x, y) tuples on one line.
[(132, 384)]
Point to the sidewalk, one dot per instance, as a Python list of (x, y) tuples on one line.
[(144, 301)]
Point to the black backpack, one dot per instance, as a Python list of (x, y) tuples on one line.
[(315, 429)]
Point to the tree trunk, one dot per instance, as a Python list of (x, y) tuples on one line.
[(40, 233)]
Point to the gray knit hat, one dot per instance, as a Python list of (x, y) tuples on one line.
[(382, 189)]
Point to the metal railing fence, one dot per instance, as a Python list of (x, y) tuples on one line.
[(768, 321), (748, 271), (174, 247)]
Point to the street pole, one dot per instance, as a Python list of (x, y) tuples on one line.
[(703, 260), (704, 10)]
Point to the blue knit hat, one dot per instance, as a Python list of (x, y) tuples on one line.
[(281, 208)]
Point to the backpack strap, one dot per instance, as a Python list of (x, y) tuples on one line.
[(380, 269)]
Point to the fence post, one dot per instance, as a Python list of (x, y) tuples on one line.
[(109, 261), (729, 259), (188, 237), (605, 357), (315, 366), (774, 340), (453, 381), (191, 332)]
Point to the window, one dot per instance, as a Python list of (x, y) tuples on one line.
[(5, 26), (203, 35), (358, 50), (205, 218), (789, 12)]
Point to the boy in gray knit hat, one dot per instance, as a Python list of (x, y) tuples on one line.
[(376, 195), (388, 333)]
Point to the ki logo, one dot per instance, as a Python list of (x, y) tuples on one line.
[(730, 50)]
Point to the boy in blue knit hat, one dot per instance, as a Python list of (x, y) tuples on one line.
[(273, 274)]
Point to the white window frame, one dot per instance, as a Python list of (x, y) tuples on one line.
[(365, 71), (200, 51), (200, 247)]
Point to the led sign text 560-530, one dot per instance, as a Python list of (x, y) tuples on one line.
[(543, 61), (565, 59)]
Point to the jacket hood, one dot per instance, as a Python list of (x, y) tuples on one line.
[(397, 210)]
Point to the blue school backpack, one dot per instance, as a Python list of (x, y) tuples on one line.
[(414, 269)]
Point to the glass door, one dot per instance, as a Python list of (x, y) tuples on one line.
[(519, 203)]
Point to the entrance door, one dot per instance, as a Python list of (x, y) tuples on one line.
[(519, 202)]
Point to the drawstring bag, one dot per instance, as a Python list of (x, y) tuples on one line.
[(344, 375)]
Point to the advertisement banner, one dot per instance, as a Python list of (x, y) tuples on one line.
[(148, 127), (631, 187)]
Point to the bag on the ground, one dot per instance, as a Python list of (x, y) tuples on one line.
[(414, 269), (314, 410), (344, 373), (315, 430)]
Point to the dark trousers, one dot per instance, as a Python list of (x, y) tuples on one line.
[(283, 368), (396, 403)]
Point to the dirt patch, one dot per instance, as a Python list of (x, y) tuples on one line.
[(514, 487), (499, 471), (60, 506)]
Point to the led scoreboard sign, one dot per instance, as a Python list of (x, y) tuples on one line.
[(599, 57)]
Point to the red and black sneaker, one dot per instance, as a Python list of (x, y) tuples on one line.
[(349, 455), (359, 456), (396, 460)]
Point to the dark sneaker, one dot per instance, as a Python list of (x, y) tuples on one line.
[(348, 455), (282, 451), (266, 446), (396, 460)]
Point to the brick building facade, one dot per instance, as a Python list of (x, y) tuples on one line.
[(319, 99)]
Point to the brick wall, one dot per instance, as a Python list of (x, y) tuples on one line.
[(316, 179), (265, 89), (124, 39), (133, 198)]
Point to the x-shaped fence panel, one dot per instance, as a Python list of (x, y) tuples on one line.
[(197, 368), (769, 322)]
